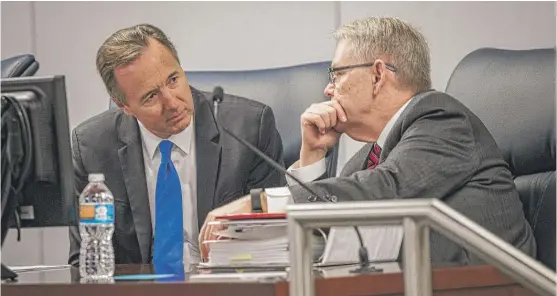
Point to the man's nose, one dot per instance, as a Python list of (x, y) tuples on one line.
[(171, 102), (329, 90)]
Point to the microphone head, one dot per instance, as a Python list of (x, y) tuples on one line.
[(218, 94)]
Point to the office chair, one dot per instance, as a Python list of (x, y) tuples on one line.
[(513, 93), (19, 66), (287, 90)]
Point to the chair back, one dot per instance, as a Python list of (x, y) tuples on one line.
[(513, 93)]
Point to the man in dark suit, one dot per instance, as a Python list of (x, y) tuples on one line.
[(421, 143), (157, 109)]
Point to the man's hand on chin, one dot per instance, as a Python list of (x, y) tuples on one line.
[(207, 232)]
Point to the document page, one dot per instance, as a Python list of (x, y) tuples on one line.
[(382, 243)]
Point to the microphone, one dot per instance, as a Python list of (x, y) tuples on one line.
[(218, 95), (364, 267)]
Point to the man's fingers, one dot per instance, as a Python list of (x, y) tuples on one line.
[(202, 231), (327, 112), (208, 233), (202, 249), (314, 119), (340, 111), (205, 251), (332, 113), (212, 233), (203, 236), (324, 115)]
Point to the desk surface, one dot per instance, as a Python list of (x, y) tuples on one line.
[(480, 280)]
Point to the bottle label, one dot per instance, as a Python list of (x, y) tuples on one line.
[(96, 213)]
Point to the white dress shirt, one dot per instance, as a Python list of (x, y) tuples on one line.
[(315, 170), (183, 158)]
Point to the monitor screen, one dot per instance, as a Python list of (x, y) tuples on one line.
[(47, 195)]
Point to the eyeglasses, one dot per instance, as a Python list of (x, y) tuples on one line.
[(333, 76)]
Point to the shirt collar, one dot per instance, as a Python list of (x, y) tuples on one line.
[(181, 140), (385, 132)]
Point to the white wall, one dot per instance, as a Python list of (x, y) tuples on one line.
[(17, 29), (212, 35), (64, 36)]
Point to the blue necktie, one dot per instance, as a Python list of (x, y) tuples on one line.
[(168, 250)]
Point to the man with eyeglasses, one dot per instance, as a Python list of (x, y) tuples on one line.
[(421, 143)]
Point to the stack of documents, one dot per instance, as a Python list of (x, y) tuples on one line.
[(261, 240), (262, 252), (251, 242)]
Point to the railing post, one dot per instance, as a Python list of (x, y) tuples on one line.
[(425, 268), (301, 265), (417, 267)]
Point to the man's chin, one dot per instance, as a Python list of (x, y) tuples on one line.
[(340, 128), (182, 125)]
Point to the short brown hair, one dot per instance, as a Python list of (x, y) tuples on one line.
[(122, 48)]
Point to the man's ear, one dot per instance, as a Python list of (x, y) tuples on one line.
[(379, 73), (122, 106)]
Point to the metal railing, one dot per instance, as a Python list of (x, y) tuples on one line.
[(416, 217)]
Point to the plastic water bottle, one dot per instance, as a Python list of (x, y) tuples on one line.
[(96, 226)]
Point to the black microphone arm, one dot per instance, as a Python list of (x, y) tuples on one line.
[(218, 95)]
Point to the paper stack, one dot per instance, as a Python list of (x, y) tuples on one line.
[(255, 242), (261, 240), (250, 240)]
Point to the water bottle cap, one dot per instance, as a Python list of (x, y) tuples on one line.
[(96, 177)]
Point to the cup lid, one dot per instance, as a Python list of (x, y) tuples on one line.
[(277, 191)]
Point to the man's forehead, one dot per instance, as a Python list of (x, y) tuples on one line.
[(343, 54)]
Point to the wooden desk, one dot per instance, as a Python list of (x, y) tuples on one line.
[(454, 281), (66, 282), (475, 281)]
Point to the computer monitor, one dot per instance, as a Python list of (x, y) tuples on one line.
[(47, 196)]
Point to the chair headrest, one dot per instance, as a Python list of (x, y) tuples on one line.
[(19, 66), (513, 93)]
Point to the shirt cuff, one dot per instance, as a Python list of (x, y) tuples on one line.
[(308, 173)]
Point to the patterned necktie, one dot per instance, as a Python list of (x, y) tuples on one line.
[(373, 157), (168, 249)]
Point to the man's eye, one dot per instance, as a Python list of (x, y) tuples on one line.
[(150, 97), (173, 79)]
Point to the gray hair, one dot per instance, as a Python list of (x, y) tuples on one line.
[(403, 44), (122, 48)]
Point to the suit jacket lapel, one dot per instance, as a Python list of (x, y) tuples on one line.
[(208, 151), (358, 161), (133, 169)]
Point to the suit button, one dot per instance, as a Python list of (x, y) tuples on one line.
[(312, 198)]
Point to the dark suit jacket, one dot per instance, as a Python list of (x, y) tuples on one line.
[(438, 149), (110, 143)]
